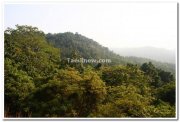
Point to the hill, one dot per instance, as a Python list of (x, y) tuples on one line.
[(36, 85), (88, 48)]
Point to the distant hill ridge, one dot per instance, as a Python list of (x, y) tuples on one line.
[(88, 48), (158, 54)]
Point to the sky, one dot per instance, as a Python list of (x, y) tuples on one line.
[(112, 24)]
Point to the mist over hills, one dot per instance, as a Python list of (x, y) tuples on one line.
[(157, 54), (89, 48)]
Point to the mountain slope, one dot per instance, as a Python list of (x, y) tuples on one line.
[(85, 47), (88, 48)]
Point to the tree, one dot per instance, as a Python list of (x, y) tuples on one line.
[(166, 77), (167, 93), (151, 71), (29, 60), (18, 85), (94, 93)]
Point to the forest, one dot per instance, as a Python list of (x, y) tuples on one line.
[(39, 82)]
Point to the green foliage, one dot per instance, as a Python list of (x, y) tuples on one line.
[(85, 47), (163, 109), (150, 70), (27, 47), (40, 84), (28, 58), (158, 76), (166, 76), (125, 101), (119, 75), (167, 93), (68, 94), (18, 85), (59, 97)]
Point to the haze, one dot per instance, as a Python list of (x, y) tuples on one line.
[(114, 25)]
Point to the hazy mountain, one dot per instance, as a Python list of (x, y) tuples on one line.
[(158, 54), (88, 48)]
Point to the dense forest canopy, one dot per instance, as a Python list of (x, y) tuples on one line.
[(39, 83)]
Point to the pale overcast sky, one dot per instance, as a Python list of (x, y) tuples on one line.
[(114, 25)]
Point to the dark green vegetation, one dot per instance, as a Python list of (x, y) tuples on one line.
[(40, 83)]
